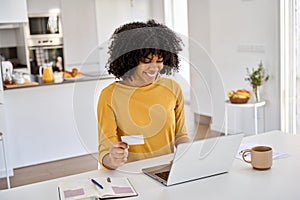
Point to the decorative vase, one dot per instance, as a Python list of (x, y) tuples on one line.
[(256, 93)]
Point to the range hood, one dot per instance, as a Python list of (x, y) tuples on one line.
[(10, 25)]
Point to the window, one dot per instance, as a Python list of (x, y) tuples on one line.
[(289, 45)]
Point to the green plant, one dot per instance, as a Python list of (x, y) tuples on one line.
[(257, 77)]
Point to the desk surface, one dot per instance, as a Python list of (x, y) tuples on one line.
[(242, 182)]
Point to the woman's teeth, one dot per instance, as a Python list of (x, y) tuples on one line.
[(151, 75)]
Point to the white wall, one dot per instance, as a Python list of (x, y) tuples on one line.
[(111, 14), (236, 39), (177, 19), (199, 45)]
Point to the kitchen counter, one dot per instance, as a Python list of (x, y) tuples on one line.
[(61, 115), (40, 83)]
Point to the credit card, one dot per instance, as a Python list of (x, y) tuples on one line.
[(133, 139)]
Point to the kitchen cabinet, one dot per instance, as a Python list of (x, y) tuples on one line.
[(13, 37), (5, 136), (52, 122), (42, 6), (111, 14), (79, 30), (13, 11)]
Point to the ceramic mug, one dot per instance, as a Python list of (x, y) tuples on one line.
[(58, 77), (261, 157)]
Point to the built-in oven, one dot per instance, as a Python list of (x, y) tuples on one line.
[(46, 51), (45, 41)]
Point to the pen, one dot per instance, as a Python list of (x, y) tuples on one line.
[(96, 183)]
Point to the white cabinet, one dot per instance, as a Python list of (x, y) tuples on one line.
[(13, 11), (80, 32), (5, 137), (42, 6), (53, 122), (111, 14)]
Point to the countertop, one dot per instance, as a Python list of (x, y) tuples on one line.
[(65, 81)]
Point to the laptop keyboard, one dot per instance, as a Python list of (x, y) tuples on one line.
[(163, 175)]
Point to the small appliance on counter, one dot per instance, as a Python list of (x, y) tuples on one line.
[(7, 67), (12, 79)]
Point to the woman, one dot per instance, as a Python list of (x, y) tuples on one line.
[(141, 102)]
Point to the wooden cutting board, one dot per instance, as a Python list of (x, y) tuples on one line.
[(21, 85)]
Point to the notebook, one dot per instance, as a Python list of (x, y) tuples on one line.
[(198, 159), (99, 188)]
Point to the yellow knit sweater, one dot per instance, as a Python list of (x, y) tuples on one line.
[(155, 111)]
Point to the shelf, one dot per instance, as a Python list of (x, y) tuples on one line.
[(246, 105)]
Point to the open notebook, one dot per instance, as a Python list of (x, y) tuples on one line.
[(85, 189)]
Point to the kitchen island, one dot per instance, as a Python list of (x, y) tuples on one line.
[(51, 122)]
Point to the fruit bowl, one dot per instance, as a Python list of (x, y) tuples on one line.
[(239, 97), (239, 100)]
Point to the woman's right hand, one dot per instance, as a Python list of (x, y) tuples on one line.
[(117, 155)]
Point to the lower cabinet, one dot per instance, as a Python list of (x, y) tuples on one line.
[(52, 122), (4, 142)]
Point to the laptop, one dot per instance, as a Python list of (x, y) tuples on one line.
[(198, 159)]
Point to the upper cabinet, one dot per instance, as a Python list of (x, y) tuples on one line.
[(113, 13), (80, 33), (13, 11), (110, 14)]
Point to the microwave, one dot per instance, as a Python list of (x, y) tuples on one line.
[(44, 25)]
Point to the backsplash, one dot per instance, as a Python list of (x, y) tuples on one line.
[(9, 53)]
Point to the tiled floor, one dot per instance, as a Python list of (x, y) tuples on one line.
[(51, 170)]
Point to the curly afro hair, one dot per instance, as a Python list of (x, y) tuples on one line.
[(133, 42)]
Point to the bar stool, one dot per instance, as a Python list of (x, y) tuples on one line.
[(5, 161)]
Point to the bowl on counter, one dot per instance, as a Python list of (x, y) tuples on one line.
[(18, 78)]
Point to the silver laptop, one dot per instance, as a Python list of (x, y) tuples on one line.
[(198, 159)]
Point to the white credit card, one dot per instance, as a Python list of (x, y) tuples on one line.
[(133, 139)]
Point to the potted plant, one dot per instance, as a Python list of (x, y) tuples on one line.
[(256, 78)]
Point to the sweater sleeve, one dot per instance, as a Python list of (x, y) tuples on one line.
[(107, 127), (180, 131)]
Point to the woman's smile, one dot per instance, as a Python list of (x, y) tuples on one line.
[(146, 72), (151, 74)]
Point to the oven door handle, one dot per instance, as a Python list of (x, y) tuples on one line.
[(46, 47)]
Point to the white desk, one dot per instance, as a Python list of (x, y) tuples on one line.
[(254, 105), (242, 182)]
